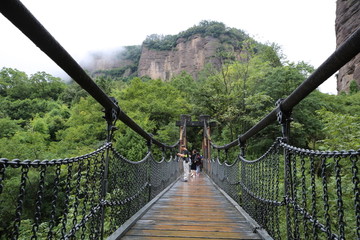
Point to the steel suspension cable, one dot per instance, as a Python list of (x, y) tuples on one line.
[(23, 19), (343, 54)]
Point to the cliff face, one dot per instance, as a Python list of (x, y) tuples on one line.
[(347, 21), (190, 56)]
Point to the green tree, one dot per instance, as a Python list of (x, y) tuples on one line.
[(155, 106), (158, 99), (83, 131), (24, 108), (186, 85), (45, 86), (14, 84), (281, 81), (9, 127), (354, 88), (72, 93), (228, 94), (25, 145), (342, 131)]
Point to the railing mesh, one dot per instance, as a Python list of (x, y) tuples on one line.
[(64, 199), (296, 193)]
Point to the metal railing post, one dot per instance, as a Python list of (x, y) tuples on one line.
[(284, 118), (242, 146), (110, 117), (149, 143), (226, 156)]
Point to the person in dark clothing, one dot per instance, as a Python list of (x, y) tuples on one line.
[(195, 163), (198, 163)]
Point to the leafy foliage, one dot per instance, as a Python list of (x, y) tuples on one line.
[(342, 131), (214, 29), (152, 104)]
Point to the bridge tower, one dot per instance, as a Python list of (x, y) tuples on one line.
[(184, 121), (206, 147), (204, 121)]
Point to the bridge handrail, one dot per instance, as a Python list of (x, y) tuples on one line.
[(343, 54), (23, 19)]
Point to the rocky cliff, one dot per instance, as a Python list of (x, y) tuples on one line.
[(189, 55), (347, 21), (164, 58)]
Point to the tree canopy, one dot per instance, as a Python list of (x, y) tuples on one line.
[(204, 28)]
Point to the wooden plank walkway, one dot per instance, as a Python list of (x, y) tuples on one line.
[(192, 210)]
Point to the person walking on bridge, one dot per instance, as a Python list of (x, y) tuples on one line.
[(185, 155), (194, 161)]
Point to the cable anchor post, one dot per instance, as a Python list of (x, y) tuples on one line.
[(284, 118), (242, 146), (226, 155), (163, 152), (111, 116), (149, 143)]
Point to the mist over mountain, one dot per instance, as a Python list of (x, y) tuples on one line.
[(163, 57)]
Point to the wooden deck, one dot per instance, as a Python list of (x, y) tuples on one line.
[(192, 210)]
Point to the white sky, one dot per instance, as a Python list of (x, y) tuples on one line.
[(304, 29)]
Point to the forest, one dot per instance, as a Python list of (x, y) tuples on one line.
[(43, 117)]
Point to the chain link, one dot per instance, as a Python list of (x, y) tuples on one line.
[(340, 203), (54, 202), (288, 194), (66, 202), (355, 180), (304, 197), (325, 195), (295, 182), (86, 196), (40, 193), (77, 193), (20, 201), (313, 197)]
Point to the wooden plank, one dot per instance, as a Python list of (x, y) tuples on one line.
[(168, 238), (192, 234), (194, 226), (194, 209)]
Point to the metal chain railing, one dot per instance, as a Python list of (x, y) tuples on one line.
[(50, 195), (66, 194), (323, 203)]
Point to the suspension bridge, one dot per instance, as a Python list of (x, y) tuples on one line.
[(104, 195)]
